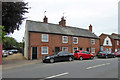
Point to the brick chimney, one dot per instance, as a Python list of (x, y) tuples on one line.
[(45, 20), (90, 27), (62, 22)]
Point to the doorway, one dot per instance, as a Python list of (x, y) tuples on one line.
[(57, 49), (34, 52)]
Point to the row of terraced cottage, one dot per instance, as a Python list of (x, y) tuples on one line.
[(43, 38)]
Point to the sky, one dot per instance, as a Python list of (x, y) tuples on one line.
[(102, 14)]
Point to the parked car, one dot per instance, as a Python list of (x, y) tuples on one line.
[(83, 55), (4, 53), (60, 56), (14, 51), (117, 54), (105, 54), (10, 52)]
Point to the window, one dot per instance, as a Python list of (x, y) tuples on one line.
[(92, 50), (65, 39), (44, 50), (75, 40), (75, 49), (107, 42), (64, 48), (92, 41), (44, 37), (81, 48), (117, 42)]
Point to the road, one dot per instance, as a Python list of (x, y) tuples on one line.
[(96, 68)]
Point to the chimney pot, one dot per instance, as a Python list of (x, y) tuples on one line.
[(62, 22), (90, 27), (45, 20)]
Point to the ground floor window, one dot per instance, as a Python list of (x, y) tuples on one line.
[(92, 50), (75, 49), (44, 50), (115, 50), (64, 48), (81, 48)]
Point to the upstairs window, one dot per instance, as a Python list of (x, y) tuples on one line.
[(75, 40), (117, 42), (92, 41), (65, 39), (44, 37)]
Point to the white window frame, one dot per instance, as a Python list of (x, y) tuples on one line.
[(117, 42), (64, 47), (73, 49), (74, 40), (92, 50), (43, 40), (42, 50), (63, 39), (92, 41)]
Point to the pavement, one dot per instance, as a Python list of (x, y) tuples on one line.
[(17, 60)]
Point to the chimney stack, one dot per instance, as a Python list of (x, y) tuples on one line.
[(62, 22), (90, 27), (45, 20)]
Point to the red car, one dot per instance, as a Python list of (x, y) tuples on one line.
[(117, 53), (83, 55)]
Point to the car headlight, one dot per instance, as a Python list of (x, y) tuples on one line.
[(47, 57)]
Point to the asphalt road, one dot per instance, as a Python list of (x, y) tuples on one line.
[(96, 68)]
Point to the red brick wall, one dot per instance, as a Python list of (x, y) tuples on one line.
[(56, 41)]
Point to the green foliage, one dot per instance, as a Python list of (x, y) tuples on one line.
[(2, 33), (12, 15), (9, 42)]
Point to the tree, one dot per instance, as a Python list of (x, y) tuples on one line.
[(13, 15)]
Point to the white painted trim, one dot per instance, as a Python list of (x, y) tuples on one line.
[(77, 40), (63, 40), (47, 51), (94, 41), (64, 47), (47, 38), (74, 47), (109, 42)]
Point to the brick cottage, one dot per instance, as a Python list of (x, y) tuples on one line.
[(110, 43), (43, 38)]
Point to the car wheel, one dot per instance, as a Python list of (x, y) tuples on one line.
[(81, 58), (52, 61), (70, 59), (106, 57), (91, 57), (114, 56)]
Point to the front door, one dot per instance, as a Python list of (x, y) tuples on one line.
[(57, 49), (34, 52)]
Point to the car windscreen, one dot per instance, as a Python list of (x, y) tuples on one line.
[(76, 51)]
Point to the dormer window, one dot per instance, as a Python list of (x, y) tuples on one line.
[(107, 42)]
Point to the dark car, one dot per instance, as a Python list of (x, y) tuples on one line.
[(60, 56), (83, 55), (105, 54), (117, 54)]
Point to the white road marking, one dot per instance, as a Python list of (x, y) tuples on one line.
[(98, 66), (57, 75)]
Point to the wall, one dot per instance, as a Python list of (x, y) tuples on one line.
[(56, 41)]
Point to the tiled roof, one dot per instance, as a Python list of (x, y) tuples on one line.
[(37, 26), (112, 36)]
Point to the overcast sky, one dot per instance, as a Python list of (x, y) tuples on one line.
[(102, 14)]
